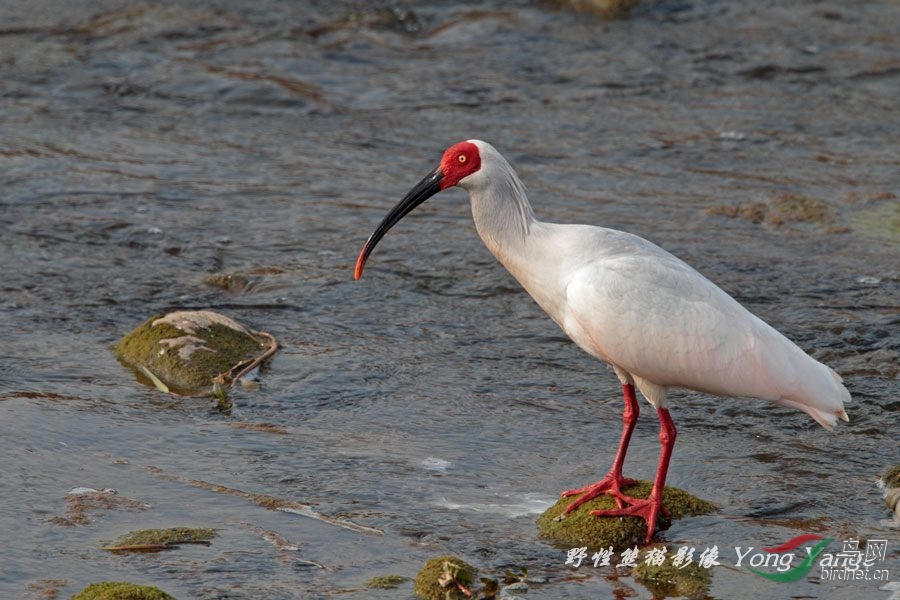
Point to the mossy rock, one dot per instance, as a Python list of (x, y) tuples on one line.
[(891, 478), (187, 352), (385, 582), (119, 590), (434, 580), (891, 483), (666, 580), (581, 528), (158, 539)]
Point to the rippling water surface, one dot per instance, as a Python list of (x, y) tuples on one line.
[(146, 147)]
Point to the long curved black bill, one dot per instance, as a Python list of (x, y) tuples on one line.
[(423, 190)]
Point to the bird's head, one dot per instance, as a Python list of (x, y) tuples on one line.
[(459, 163)]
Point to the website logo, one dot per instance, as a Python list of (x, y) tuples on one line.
[(851, 563)]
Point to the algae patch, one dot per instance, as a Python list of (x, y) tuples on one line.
[(781, 211), (385, 582), (798, 209), (607, 9), (119, 590), (193, 352), (243, 281), (880, 222), (81, 502), (580, 528), (46, 589), (153, 540)]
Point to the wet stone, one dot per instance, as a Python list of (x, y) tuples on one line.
[(513, 591), (665, 579), (443, 578), (188, 352), (581, 528)]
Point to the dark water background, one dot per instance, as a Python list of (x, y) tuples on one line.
[(145, 147)]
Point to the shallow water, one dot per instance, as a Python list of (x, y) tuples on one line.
[(146, 147)]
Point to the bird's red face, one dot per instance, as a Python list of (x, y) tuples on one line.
[(459, 161)]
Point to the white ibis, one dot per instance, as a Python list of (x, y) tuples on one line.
[(628, 302)]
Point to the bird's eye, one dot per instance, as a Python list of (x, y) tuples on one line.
[(462, 159)]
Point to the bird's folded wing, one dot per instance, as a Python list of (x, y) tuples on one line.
[(659, 319)]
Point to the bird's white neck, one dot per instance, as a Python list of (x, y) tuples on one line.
[(500, 208), (507, 225)]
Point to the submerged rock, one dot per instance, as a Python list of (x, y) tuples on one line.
[(143, 540), (190, 352), (385, 582), (241, 282), (664, 579), (444, 577), (880, 222), (581, 528), (784, 210), (119, 590), (81, 502)]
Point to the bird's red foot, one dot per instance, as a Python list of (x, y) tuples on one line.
[(610, 485), (647, 509)]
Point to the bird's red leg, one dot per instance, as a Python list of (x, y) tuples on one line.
[(613, 481), (650, 508)]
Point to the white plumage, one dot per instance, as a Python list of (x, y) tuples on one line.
[(630, 303)]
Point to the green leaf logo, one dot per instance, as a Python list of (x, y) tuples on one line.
[(804, 567)]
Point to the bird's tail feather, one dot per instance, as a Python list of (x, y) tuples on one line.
[(822, 398)]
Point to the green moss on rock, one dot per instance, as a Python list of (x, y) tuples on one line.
[(666, 580), (385, 582), (167, 537), (581, 528), (434, 580), (891, 478), (183, 352), (118, 590)]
